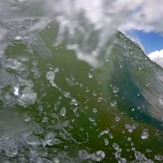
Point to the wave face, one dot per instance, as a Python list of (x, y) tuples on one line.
[(138, 79), (72, 88)]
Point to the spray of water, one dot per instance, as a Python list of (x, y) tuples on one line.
[(79, 21), (86, 27)]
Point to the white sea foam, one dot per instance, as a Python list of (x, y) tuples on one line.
[(85, 19)]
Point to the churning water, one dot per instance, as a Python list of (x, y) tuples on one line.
[(72, 88)]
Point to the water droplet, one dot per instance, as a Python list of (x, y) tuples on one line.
[(75, 110), (115, 146), (74, 102), (27, 118), (94, 110), (115, 89), (60, 98), (132, 109), (37, 75), (106, 141), (91, 119), (56, 70), (99, 99), (67, 94), (129, 139), (138, 107), (139, 156), (58, 103), (130, 128), (83, 154), (50, 139), (91, 73), (45, 119), (113, 103), (40, 108), (111, 136), (101, 154), (50, 75), (144, 134), (159, 157), (94, 94), (97, 156), (120, 66), (106, 131), (117, 118), (133, 149), (63, 111), (148, 150)]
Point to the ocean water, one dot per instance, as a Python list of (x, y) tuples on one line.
[(75, 89)]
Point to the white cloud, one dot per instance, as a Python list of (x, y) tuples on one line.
[(147, 17), (157, 56)]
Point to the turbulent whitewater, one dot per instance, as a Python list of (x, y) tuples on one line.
[(75, 89)]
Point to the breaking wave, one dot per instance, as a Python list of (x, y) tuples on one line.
[(72, 88)]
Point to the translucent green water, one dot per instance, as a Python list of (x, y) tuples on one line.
[(63, 110)]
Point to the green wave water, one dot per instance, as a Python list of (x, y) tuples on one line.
[(72, 89)]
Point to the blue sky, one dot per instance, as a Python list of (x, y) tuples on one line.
[(151, 41)]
